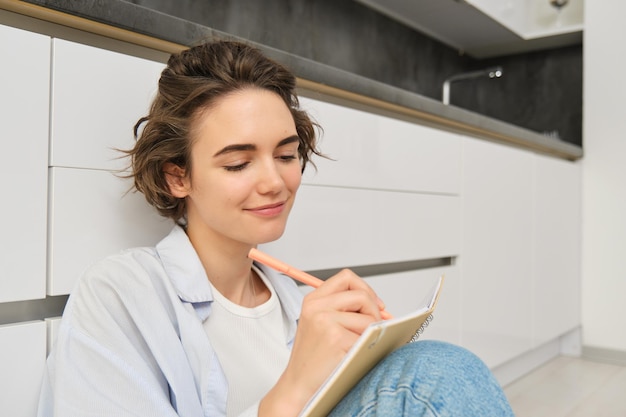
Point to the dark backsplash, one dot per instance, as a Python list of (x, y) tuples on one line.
[(541, 91)]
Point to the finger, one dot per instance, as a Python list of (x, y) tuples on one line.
[(346, 280), (354, 322), (356, 301)]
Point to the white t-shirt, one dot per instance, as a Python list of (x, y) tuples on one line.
[(251, 346)]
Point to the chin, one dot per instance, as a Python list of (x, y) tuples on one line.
[(270, 236)]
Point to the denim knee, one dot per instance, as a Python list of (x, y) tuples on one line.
[(427, 378)]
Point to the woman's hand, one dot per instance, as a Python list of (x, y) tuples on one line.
[(333, 317)]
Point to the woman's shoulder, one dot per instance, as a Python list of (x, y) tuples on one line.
[(120, 284), (123, 270)]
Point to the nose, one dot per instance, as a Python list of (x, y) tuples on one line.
[(270, 180)]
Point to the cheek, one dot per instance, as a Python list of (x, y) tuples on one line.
[(294, 178)]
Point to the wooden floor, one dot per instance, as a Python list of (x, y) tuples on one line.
[(570, 387)]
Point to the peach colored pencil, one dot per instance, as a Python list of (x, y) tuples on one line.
[(294, 273)]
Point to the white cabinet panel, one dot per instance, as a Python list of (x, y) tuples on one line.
[(341, 227), (378, 152), (24, 89), (557, 248), (52, 329), (496, 255), (97, 97), (92, 217), (22, 361), (404, 292)]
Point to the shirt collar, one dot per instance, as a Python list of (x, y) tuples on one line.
[(183, 267), (182, 264)]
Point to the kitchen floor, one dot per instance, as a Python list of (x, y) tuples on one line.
[(570, 387)]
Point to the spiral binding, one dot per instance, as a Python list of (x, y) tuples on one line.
[(423, 327)]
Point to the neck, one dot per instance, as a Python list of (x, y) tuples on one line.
[(229, 269)]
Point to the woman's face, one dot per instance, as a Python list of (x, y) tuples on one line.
[(245, 169)]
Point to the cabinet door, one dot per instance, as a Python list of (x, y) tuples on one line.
[(496, 254), (404, 292), (333, 227), (97, 97), (91, 216), (52, 330), (24, 90), (382, 153), (22, 361), (557, 248)]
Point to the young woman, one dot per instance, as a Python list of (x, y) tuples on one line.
[(192, 327)]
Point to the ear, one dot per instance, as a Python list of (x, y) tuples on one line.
[(177, 180)]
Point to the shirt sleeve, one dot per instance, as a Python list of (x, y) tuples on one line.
[(116, 353), (86, 379)]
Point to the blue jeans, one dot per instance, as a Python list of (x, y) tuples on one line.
[(427, 378)]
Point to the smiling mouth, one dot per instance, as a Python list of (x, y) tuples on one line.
[(268, 210)]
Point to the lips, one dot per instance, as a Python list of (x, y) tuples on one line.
[(268, 210)]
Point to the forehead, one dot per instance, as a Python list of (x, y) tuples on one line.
[(245, 116)]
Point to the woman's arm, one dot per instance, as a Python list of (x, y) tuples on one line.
[(333, 317)]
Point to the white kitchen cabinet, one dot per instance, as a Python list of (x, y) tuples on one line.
[(332, 227), (557, 248), (404, 292), (496, 253), (377, 152), (91, 216), (24, 89), (533, 19), (97, 97), (22, 361), (52, 330)]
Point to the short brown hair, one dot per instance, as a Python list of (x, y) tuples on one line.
[(193, 80)]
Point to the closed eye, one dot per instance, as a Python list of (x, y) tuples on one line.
[(288, 158), (234, 168)]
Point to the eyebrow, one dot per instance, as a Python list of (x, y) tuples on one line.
[(250, 147)]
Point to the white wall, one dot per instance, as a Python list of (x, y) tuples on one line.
[(604, 176)]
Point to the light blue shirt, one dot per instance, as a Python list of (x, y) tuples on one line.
[(131, 341)]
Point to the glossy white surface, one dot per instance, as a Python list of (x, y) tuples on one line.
[(92, 217), (52, 327), (332, 227), (404, 292), (496, 256), (97, 97), (22, 361), (534, 18), (24, 88), (377, 152), (557, 248)]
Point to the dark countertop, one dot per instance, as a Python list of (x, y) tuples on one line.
[(316, 77)]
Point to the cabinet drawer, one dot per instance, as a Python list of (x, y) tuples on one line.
[(24, 87), (92, 217), (496, 262), (557, 248), (97, 97), (405, 292), (340, 227), (22, 361), (52, 330), (378, 152)]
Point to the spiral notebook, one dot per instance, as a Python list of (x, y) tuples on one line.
[(376, 342)]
